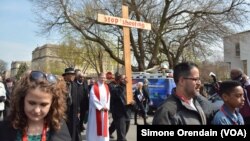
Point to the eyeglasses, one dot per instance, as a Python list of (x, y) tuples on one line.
[(38, 75), (194, 79)]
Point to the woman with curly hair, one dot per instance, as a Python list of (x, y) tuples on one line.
[(37, 110)]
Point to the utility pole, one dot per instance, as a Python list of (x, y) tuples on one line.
[(118, 53)]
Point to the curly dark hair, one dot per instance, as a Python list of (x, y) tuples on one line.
[(57, 109), (226, 87)]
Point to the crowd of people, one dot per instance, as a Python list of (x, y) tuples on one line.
[(43, 106)]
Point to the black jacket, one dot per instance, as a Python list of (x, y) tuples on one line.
[(174, 111), (118, 102), (73, 108), (8, 133)]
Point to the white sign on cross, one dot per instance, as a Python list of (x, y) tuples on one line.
[(126, 23)]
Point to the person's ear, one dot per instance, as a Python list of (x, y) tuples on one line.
[(181, 81), (225, 97)]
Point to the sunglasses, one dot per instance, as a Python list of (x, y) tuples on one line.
[(38, 75)]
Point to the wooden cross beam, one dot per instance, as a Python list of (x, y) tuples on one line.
[(125, 23)]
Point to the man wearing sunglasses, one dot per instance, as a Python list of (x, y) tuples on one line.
[(72, 104), (185, 106)]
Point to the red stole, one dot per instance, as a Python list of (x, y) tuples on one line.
[(99, 113), (25, 136)]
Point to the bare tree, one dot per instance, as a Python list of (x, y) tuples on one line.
[(178, 26), (69, 53), (94, 56), (21, 70), (218, 67)]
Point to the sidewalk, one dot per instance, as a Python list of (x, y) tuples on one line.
[(131, 136)]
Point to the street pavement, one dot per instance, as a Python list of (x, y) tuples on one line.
[(131, 136)]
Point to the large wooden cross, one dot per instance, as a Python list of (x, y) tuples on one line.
[(126, 23)]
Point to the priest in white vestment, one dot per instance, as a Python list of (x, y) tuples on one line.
[(98, 118)]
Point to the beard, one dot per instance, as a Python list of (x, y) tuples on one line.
[(190, 92)]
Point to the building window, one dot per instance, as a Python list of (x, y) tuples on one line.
[(229, 66), (237, 49), (244, 66)]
